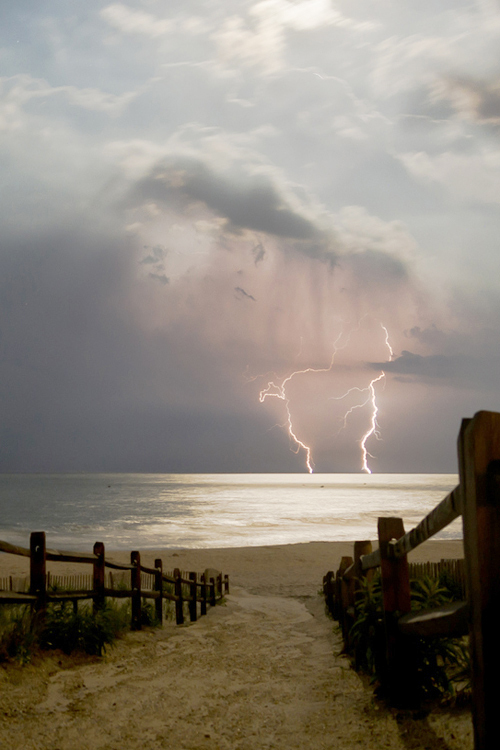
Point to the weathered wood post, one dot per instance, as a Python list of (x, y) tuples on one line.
[(213, 595), (479, 463), (203, 604), (99, 570), (226, 584), (159, 589), (179, 606), (346, 598), (38, 568), (219, 586), (396, 599), (135, 576), (329, 591), (193, 594)]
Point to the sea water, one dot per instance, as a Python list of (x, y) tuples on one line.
[(141, 511)]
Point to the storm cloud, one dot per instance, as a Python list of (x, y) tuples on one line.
[(231, 192)]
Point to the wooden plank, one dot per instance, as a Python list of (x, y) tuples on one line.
[(443, 514), (135, 580), (329, 591), (118, 566), (203, 606), (57, 596), (362, 549), (73, 557), (371, 561), (118, 593), (479, 463), (395, 578), (179, 607), (150, 571), (38, 572), (159, 589), (13, 549), (449, 620), (98, 576), (192, 594), (346, 598), (13, 597), (396, 602)]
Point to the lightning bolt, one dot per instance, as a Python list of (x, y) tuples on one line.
[(371, 399), (278, 389)]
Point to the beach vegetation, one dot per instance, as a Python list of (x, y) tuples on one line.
[(23, 632), (18, 637), (436, 667)]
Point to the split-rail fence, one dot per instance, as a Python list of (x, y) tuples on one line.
[(477, 499), (144, 583)]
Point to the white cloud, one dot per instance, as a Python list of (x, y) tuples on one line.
[(467, 177), (260, 39), (358, 231), (18, 91), (136, 21)]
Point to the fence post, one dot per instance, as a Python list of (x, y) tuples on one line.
[(203, 605), (193, 594), (479, 462), (213, 600), (219, 585), (396, 599), (226, 584), (329, 591), (135, 575), (98, 577), (159, 589), (179, 609), (346, 598), (38, 579)]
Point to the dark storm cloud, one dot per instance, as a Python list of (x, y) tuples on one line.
[(460, 369), (85, 385), (477, 99), (247, 201)]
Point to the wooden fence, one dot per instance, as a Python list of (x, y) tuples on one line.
[(477, 499), (42, 587)]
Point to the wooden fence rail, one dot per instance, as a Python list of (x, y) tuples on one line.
[(477, 499), (42, 587)]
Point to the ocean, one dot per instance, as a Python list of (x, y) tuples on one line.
[(145, 511)]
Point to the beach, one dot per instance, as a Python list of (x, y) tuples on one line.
[(262, 670)]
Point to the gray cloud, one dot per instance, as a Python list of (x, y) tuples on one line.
[(462, 370), (330, 168), (247, 201)]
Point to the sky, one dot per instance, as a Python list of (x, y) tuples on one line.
[(200, 198)]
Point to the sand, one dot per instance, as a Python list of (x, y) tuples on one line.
[(263, 670)]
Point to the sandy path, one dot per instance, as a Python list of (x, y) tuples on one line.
[(259, 672)]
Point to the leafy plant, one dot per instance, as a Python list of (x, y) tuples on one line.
[(433, 666), (18, 635), (367, 633), (81, 631), (428, 593)]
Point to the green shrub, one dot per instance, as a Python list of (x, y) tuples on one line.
[(434, 667), (80, 631), (18, 633)]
